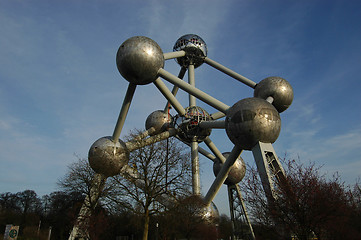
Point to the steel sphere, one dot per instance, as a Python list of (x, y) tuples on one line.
[(197, 206), (188, 125), (210, 213), (195, 48), (279, 89), (139, 60), (159, 120), (107, 157), (237, 172), (252, 120)]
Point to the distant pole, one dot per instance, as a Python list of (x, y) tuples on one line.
[(39, 228), (166, 168), (157, 232), (49, 235)]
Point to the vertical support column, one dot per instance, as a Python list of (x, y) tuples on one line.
[(269, 168), (242, 228), (191, 81), (196, 182)]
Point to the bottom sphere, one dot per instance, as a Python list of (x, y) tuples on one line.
[(237, 172), (107, 157)]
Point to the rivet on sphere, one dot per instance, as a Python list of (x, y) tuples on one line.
[(195, 48), (139, 60), (159, 120), (237, 172), (252, 120), (107, 157), (278, 88)]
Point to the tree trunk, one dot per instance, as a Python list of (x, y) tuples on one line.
[(146, 224)]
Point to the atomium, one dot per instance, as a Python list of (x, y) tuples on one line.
[(251, 123)]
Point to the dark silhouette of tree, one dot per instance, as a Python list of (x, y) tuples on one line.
[(62, 208), (224, 227), (307, 204), (22, 208), (189, 220)]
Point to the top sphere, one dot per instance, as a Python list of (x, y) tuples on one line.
[(278, 88), (139, 60), (195, 48)]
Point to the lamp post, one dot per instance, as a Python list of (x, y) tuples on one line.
[(157, 231)]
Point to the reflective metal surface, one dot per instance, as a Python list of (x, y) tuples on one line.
[(210, 213), (278, 88), (139, 59), (107, 157), (237, 172), (188, 125), (195, 48), (160, 120), (251, 120)]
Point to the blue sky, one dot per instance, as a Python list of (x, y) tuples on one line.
[(60, 89)]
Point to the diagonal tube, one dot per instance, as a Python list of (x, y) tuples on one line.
[(168, 95), (194, 91), (230, 72), (217, 115), (124, 111), (214, 149), (222, 175), (134, 145), (175, 88)]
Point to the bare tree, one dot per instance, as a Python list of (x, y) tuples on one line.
[(307, 203), (160, 174), (80, 178)]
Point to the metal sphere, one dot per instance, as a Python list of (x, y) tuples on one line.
[(252, 120), (197, 206), (278, 88), (237, 172), (107, 157), (139, 60), (210, 213), (195, 48), (188, 125), (160, 120)]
